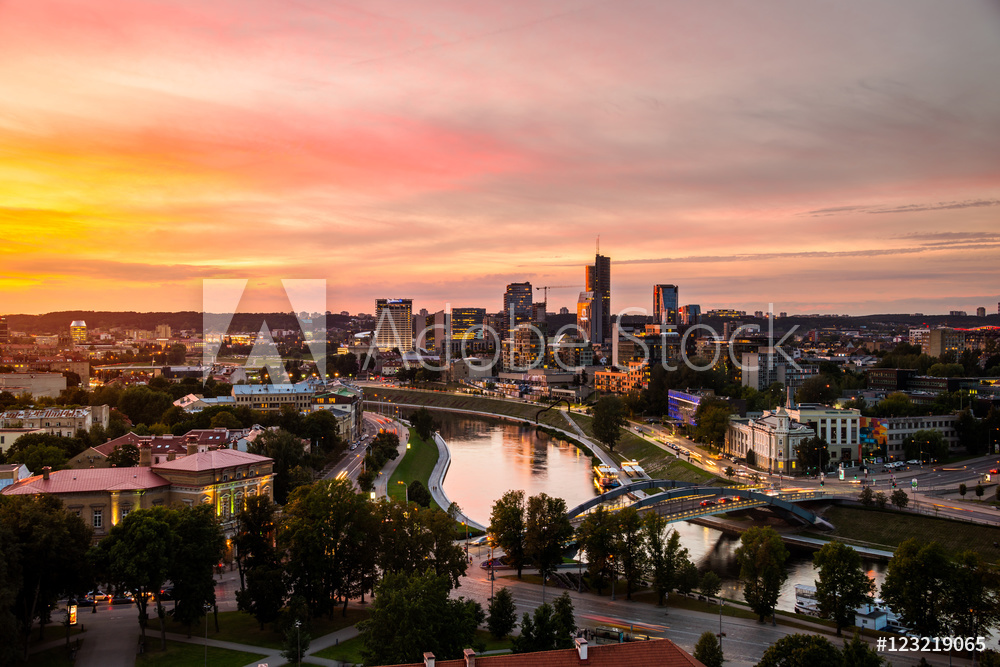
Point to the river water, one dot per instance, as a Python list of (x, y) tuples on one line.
[(491, 456)]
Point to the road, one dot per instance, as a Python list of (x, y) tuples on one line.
[(352, 463)]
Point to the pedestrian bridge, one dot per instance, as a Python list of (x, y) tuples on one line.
[(682, 500)]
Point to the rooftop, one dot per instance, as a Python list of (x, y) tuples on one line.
[(88, 480), (219, 458), (270, 389)]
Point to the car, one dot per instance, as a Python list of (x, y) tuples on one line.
[(726, 499), (707, 503), (122, 598), (913, 462), (167, 593), (97, 595), (995, 471)]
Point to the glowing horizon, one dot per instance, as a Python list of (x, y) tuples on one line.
[(836, 159)]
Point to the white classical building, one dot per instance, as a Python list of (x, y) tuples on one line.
[(773, 439), (841, 429)]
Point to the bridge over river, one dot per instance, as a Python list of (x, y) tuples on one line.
[(680, 501)]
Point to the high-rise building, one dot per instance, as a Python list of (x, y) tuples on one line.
[(4, 332), (585, 315), (564, 311), (516, 306), (163, 331), (467, 323), (394, 324), (981, 311), (689, 315), (665, 304), (78, 331), (598, 276)]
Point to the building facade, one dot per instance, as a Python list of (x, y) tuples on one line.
[(773, 438), (841, 429), (665, 304), (57, 421), (598, 277), (394, 324), (517, 302), (273, 397)]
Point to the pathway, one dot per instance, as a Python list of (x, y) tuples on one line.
[(436, 481), (382, 480)]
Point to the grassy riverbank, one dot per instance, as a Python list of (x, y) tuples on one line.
[(417, 464), (877, 528)]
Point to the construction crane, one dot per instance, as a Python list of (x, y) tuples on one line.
[(546, 288)]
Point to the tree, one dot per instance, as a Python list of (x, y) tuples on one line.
[(842, 585), (597, 536), (962, 489), (751, 458), (198, 548), (730, 472), (423, 423), (502, 615), (327, 532), (323, 432), (36, 457), (609, 419), (413, 614), (812, 454), (712, 419), (867, 496), (801, 650), (687, 577), (980, 490), (445, 555), (881, 500), (710, 584), (551, 628), (664, 555), (926, 445), (708, 651), (857, 653), (124, 456), (296, 643), (547, 528), (9, 589), (44, 549), (629, 549), (818, 389), (418, 493), (287, 451), (899, 498), (143, 405), (225, 419), (507, 526), (761, 556), (973, 603), (916, 585), (139, 552)]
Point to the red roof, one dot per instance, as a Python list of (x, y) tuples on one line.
[(160, 444), (88, 480), (213, 460), (659, 652)]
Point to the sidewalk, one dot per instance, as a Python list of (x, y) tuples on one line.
[(436, 481), (382, 481)]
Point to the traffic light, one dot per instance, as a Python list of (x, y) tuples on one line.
[(894, 484)]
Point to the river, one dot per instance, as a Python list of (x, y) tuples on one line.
[(491, 456)]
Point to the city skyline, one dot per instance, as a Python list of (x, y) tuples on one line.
[(825, 159)]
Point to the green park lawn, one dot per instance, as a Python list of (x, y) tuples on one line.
[(417, 464), (236, 626), (181, 654), (53, 657), (889, 529), (350, 651)]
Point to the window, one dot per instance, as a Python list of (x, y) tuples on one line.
[(98, 521), (125, 510)]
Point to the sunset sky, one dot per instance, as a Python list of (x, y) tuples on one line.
[(825, 157)]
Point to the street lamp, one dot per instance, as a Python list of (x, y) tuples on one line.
[(207, 607), (406, 490), (298, 643)]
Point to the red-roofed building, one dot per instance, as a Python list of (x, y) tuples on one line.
[(223, 478), (655, 652), (162, 448)]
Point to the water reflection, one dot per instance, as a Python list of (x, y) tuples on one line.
[(492, 456)]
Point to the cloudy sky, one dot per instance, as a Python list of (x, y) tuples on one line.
[(836, 157)]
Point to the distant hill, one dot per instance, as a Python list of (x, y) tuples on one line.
[(58, 322)]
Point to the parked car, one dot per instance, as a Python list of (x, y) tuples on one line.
[(913, 462), (167, 592), (122, 598), (995, 471), (97, 595)]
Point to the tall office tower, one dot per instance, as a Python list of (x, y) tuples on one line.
[(599, 282), (467, 323), (4, 332), (78, 331), (665, 304), (394, 324), (538, 312), (516, 306), (690, 314), (564, 311), (585, 315), (981, 311)]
